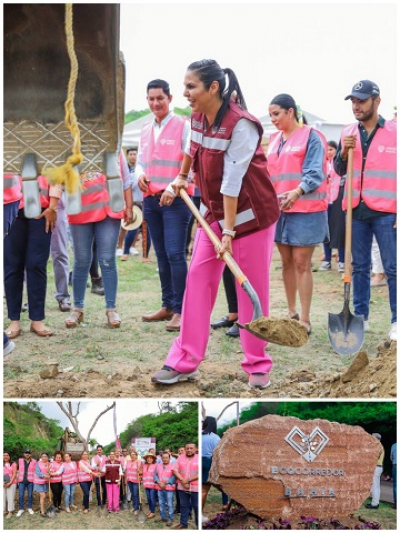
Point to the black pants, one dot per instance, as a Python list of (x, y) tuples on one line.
[(57, 489), (101, 498), (230, 290)]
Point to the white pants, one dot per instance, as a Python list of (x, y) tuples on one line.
[(9, 497), (377, 267), (376, 486)]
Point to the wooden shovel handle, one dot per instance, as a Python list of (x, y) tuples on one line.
[(349, 218), (226, 256)]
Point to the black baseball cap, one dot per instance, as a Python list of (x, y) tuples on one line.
[(363, 90), (27, 451)]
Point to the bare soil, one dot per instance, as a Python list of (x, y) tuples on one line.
[(93, 361)]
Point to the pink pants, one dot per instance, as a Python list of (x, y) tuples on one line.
[(253, 254), (112, 496)]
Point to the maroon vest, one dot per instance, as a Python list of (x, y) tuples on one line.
[(257, 202), (112, 471)]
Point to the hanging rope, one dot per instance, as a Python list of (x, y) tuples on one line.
[(66, 174)]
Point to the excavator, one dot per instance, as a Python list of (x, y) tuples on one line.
[(38, 42)]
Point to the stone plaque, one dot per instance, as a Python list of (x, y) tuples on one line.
[(286, 467)]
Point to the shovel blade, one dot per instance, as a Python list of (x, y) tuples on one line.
[(141, 517), (346, 332)]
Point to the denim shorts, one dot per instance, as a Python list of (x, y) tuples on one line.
[(302, 229), (41, 488)]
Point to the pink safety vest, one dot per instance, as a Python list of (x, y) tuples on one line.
[(82, 475), (164, 472), (10, 470), (44, 468), (54, 466), (100, 463), (333, 183), (148, 476), (70, 474), (11, 188), (31, 470), (95, 200), (162, 160), (132, 470), (286, 169), (188, 468), (43, 192), (377, 187)]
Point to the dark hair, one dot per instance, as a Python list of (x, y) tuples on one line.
[(58, 452), (99, 446), (208, 70), (287, 102), (9, 455), (46, 454), (209, 425), (333, 144), (131, 148), (159, 84)]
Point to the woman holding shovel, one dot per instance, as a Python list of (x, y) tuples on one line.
[(41, 481), (230, 170)]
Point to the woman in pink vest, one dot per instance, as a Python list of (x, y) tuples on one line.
[(56, 485), (85, 477), (297, 164), (149, 469), (240, 204), (41, 481), (97, 222), (133, 472), (9, 484)]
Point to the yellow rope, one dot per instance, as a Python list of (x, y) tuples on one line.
[(66, 174)]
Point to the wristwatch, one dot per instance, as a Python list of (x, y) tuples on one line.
[(229, 232)]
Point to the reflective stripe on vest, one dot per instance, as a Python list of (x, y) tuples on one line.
[(100, 463), (70, 474), (95, 201), (82, 475), (11, 188), (10, 470), (378, 186), (31, 470), (241, 218), (148, 476), (188, 469), (132, 469), (164, 473), (213, 143), (286, 169), (44, 468), (54, 466)]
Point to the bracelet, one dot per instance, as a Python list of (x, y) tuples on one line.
[(229, 232)]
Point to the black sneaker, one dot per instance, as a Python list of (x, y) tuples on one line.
[(97, 286)]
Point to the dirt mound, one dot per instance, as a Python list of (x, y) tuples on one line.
[(283, 331)]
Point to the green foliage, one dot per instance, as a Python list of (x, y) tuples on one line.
[(183, 111), (135, 115)]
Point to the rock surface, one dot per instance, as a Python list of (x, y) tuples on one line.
[(286, 467)]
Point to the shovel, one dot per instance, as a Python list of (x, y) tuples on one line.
[(346, 331), (51, 510), (141, 517), (286, 332)]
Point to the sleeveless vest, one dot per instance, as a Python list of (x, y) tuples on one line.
[(10, 471), (333, 183), (132, 470), (164, 473), (44, 468), (162, 160), (11, 188), (188, 468), (286, 169), (95, 200), (31, 470), (100, 463), (257, 202), (82, 475), (148, 476), (377, 187), (54, 466), (70, 474), (43, 193), (112, 472)]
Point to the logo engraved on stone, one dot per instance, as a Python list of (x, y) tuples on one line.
[(308, 446)]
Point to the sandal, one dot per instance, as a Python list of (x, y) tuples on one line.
[(75, 318), (41, 332), (307, 325), (113, 318)]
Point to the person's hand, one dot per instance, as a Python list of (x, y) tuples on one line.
[(167, 198), (51, 218), (128, 215), (288, 198), (143, 183), (179, 183), (226, 246), (348, 142)]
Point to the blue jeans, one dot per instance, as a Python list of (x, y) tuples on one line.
[(134, 490), (394, 477), (385, 233), (168, 226), (106, 234), (166, 500), (22, 488), (152, 499), (85, 486), (69, 492), (188, 499)]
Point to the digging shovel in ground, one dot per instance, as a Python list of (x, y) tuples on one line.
[(283, 331), (141, 517), (51, 510), (346, 331)]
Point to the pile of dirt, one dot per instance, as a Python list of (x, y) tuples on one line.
[(283, 331)]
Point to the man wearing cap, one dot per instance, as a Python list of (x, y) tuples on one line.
[(373, 140), (186, 470), (376, 483), (162, 146), (26, 470)]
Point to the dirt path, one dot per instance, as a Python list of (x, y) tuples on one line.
[(98, 362)]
